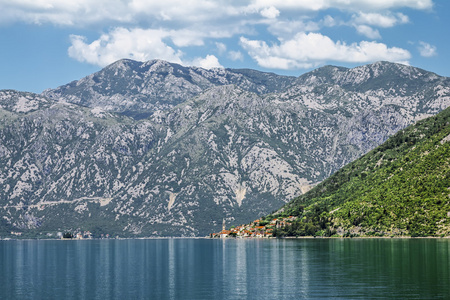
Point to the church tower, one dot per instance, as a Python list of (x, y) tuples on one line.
[(223, 224)]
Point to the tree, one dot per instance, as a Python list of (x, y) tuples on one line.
[(67, 235)]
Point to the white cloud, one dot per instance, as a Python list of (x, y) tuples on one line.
[(308, 50), (146, 29), (221, 47), (364, 22), (209, 62), (285, 29), (427, 50), (379, 20), (402, 19), (138, 44), (68, 12), (85, 12), (184, 11), (156, 13), (186, 37), (388, 4), (329, 21), (270, 12), (368, 31), (350, 5), (236, 55)]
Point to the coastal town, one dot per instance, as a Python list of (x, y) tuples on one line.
[(256, 229), (77, 235)]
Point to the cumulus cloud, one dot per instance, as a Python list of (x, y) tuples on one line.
[(351, 5), (138, 44), (236, 55), (144, 30), (186, 37), (221, 47), (285, 29), (270, 12), (364, 22), (67, 13), (309, 50), (85, 12), (329, 21), (427, 50), (209, 62), (380, 20), (137, 12), (368, 31)]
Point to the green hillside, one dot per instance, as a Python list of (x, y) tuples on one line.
[(400, 188)]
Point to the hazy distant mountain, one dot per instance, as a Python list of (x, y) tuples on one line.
[(159, 149)]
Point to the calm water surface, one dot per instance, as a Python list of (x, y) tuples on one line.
[(225, 269)]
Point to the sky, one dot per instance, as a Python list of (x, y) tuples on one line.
[(48, 43)]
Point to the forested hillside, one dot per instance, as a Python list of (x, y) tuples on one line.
[(400, 188)]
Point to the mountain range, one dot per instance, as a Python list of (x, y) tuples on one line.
[(158, 149)]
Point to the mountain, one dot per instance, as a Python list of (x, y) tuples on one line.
[(400, 188), (158, 149), (139, 89)]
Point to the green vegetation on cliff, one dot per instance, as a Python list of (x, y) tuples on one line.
[(400, 188)]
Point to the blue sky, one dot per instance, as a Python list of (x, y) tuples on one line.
[(47, 43)]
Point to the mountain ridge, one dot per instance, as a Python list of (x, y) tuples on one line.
[(82, 159), (147, 84)]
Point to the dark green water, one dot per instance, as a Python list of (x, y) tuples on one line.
[(226, 269)]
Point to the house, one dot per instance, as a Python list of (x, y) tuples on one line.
[(225, 234), (260, 228), (247, 233), (280, 224)]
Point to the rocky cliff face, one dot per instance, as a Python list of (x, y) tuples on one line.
[(142, 149)]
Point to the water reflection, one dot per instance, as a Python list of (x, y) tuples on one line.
[(230, 269)]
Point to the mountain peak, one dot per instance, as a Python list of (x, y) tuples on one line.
[(131, 87), (380, 74), (138, 66), (383, 67), (122, 64)]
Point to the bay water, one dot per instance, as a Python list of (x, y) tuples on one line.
[(225, 269)]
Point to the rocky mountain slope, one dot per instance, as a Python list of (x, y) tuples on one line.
[(157, 149), (139, 89), (401, 188)]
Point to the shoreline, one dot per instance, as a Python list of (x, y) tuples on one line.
[(233, 238)]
